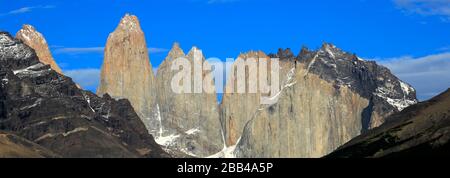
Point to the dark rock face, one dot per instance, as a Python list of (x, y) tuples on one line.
[(47, 108), (387, 93), (422, 130), (311, 118), (330, 97), (32, 38)]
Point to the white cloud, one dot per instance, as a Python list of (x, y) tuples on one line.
[(445, 48), (426, 7), (87, 78), (430, 75), (63, 50), (27, 9), (79, 50), (157, 50)]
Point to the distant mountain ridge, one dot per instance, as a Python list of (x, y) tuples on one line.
[(345, 94), (326, 98)]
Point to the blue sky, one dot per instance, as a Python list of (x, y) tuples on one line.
[(409, 36)]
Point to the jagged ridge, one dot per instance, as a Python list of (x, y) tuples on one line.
[(47, 108)]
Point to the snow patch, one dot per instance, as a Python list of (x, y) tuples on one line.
[(344, 82), (45, 136), (11, 49), (39, 123), (6, 40), (400, 104), (5, 82), (88, 100), (406, 88), (36, 103), (329, 64), (108, 114), (158, 116), (59, 118), (32, 70), (311, 64), (79, 129), (287, 84), (167, 140), (192, 131), (330, 53), (227, 152)]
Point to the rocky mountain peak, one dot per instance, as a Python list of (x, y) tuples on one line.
[(285, 53), (195, 53), (176, 51), (253, 54), (71, 122), (14, 54), (130, 22), (328, 45), (358, 94), (126, 63), (13, 50), (194, 49), (331, 51), (31, 37), (29, 31), (304, 51), (387, 93), (188, 122), (175, 45), (5, 38)]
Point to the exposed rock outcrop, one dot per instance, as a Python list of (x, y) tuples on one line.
[(421, 130), (47, 108), (387, 93), (127, 72), (328, 98), (311, 118), (190, 121), (31, 37), (237, 108)]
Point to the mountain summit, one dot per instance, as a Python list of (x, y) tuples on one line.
[(130, 23), (327, 97), (126, 71), (31, 37), (189, 121)]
